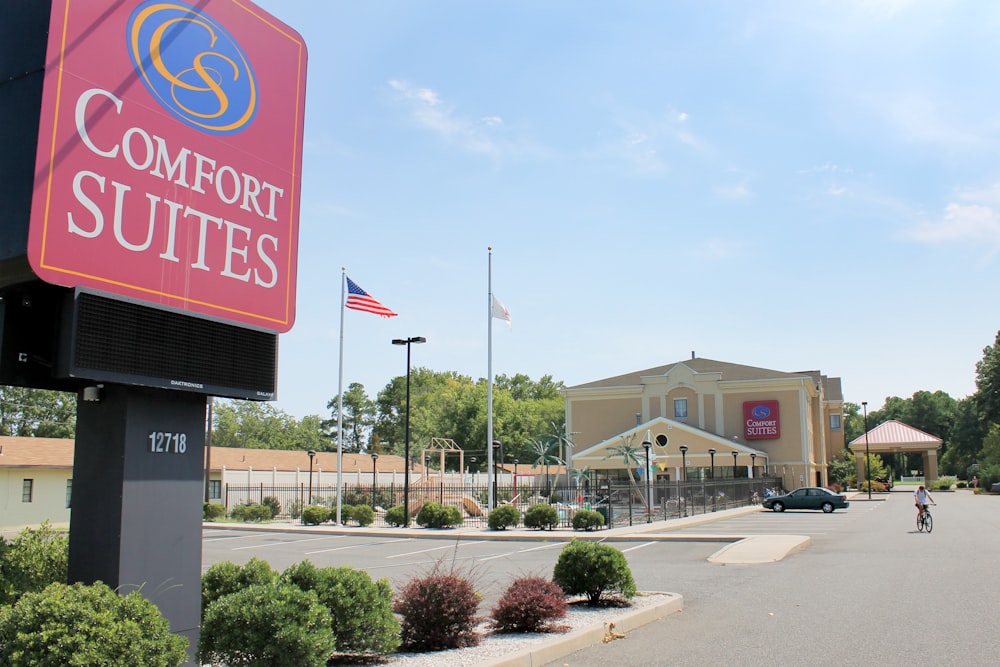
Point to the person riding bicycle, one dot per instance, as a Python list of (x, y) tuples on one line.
[(921, 498)]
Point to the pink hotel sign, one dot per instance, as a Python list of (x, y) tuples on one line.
[(170, 156)]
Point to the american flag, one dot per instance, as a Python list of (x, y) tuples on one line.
[(358, 299)]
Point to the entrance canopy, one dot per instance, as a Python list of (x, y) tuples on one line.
[(895, 437)]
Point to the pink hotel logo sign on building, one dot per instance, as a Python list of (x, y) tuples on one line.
[(761, 421), (170, 155)]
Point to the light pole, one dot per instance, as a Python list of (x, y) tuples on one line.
[(649, 491), (406, 446), (684, 464), (868, 455), (753, 465), (374, 476), (735, 454), (472, 471), (515, 477), (497, 459), (312, 455), (711, 456)]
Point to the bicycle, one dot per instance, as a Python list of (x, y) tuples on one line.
[(925, 521)]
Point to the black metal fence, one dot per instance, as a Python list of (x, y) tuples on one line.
[(622, 503)]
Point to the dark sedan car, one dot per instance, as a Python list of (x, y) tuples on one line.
[(807, 498)]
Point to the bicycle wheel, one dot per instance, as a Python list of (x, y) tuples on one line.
[(928, 522), (920, 522)]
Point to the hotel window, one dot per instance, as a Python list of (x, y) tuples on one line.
[(214, 489), (69, 493), (27, 490), (834, 422), (680, 409)]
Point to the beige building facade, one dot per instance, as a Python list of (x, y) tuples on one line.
[(785, 424)]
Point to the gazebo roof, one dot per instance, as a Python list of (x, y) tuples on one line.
[(895, 435)]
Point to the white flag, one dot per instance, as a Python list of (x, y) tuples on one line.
[(500, 311)]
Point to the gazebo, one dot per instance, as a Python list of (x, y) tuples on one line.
[(895, 437)]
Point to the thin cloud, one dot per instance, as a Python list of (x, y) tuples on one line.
[(717, 249), (429, 111), (739, 191), (977, 224)]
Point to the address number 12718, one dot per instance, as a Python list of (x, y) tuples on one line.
[(165, 442)]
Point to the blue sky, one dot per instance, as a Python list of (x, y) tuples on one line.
[(791, 185)]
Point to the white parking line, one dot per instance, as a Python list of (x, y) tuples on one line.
[(357, 546), (638, 546), (278, 544), (231, 537), (522, 551), (449, 546)]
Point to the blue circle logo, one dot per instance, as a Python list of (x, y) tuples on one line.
[(761, 412), (192, 66)]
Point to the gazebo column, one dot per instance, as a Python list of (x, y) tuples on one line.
[(930, 465)]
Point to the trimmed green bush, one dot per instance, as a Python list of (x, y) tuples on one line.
[(213, 511), (438, 612), (251, 513), (530, 604), (587, 520), (360, 609), (395, 516), (593, 569), (272, 625), (316, 514), (435, 515), (364, 515), (942, 483), (273, 504), (224, 578), (87, 625), (541, 516), (503, 517), (34, 559)]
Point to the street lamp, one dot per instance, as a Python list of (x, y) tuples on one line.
[(406, 447), (711, 456), (515, 477), (684, 470), (374, 478), (753, 464), (497, 458), (649, 492), (735, 454), (312, 455), (868, 456)]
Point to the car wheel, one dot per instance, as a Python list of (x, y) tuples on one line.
[(827, 507), (778, 507)]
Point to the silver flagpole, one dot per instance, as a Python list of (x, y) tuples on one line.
[(340, 396), (489, 380)]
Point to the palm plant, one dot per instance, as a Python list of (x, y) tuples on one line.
[(542, 449), (630, 455)]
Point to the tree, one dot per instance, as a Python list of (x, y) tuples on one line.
[(39, 413), (357, 420), (965, 440), (630, 457), (258, 425), (988, 383)]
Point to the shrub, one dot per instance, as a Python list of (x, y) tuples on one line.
[(363, 514), (529, 604), (251, 513), (593, 569), (394, 516), (541, 516), (587, 520), (316, 514), (435, 515), (962, 484), (35, 558), (504, 516), (943, 483), (295, 509), (213, 511), (87, 625), (225, 578), (438, 612), (273, 503), (278, 625), (360, 609)]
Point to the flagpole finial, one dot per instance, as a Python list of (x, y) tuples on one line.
[(490, 248)]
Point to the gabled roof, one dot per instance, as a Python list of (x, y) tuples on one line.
[(894, 432), (727, 370), (36, 453)]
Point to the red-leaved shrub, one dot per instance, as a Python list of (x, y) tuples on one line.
[(530, 604), (438, 612)]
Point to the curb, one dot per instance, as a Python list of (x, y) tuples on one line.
[(586, 637)]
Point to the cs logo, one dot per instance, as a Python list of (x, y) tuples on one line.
[(761, 412), (192, 66)]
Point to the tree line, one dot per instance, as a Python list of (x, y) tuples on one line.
[(528, 418)]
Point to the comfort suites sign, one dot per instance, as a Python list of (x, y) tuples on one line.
[(761, 421), (169, 156)]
